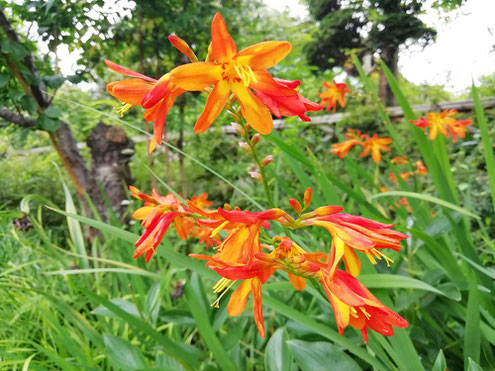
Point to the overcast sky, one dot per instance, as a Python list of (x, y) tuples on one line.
[(464, 48)]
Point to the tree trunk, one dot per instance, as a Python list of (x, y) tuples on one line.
[(111, 152), (390, 57)]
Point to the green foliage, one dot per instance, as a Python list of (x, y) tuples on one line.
[(73, 304)]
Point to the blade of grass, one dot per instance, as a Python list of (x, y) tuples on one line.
[(204, 326), (486, 140), (179, 351), (427, 198), (472, 337)]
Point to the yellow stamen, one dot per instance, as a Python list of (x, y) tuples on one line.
[(365, 313), (370, 257), (381, 255), (354, 312), (245, 73), (218, 229), (223, 285), (123, 109)]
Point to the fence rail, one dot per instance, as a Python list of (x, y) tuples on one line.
[(328, 119)]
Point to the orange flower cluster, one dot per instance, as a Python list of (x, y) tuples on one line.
[(420, 170), (249, 255), (444, 123), (373, 145), (227, 75), (334, 94)]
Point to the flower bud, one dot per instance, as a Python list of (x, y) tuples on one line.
[(182, 46), (238, 129), (308, 196), (246, 147), (227, 207), (267, 160), (255, 139), (295, 205), (256, 175)]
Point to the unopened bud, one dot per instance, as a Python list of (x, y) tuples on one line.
[(267, 160), (238, 129), (227, 207), (308, 196), (295, 205), (246, 147), (255, 139), (256, 175)]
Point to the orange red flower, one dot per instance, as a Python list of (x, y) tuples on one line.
[(241, 73), (242, 256), (444, 123), (355, 138), (157, 215), (334, 94), (155, 96), (373, 145)]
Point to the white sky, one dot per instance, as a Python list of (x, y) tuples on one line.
[(464, 48)]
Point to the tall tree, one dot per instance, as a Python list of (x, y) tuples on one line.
[(368, 26)]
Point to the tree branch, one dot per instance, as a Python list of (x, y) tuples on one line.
[(28, 61), (16, 119)]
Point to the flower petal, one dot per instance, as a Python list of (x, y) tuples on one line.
[(268, 85), (183, 47), (214, 105), (130, 91), (238, 300), (196, 76), (253, 109), (125, 71), (265, 54), (223, 47), (161, 89)]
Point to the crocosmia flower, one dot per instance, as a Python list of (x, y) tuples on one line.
[(399, 160), (334, 94), (354, 138), (375, 145), (293, 105), (239, 73), (421, 168), (444, 123), (159, 212), (155, 96), (354, 233), (353, 304)]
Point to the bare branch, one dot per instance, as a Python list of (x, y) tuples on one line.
[(16, 119)]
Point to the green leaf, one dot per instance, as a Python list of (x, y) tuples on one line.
[(15, 50), (123, 304), (277, 354), (440, 362), (29, 104), (53, 112), (323, 330), (54, 82), (123, 354), (428, 198), (4, 79), (380, 281), (473, 366), (472, 339), (47, 123), (321, 356), (487, 142), (196, 306), (75, 230), (187, 355)]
